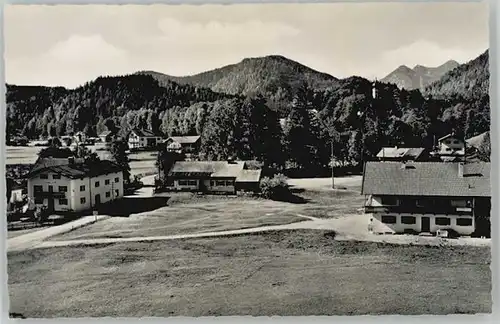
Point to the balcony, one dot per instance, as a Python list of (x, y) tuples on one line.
[(49, 194), (465, 211)]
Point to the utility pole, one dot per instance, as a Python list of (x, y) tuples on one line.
[(331, 161)]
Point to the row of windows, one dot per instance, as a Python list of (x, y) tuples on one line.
[(39, 188), (188, 182), (221, 183), (393, 201), (83, 200), (441, 221), (82, 188)]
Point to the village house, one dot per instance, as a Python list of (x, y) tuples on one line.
[(139, 139), (416, 154), (80, 137), (185, 144), (450, 148), (227, 177), (427, 197), (107, 136), (74, 186)]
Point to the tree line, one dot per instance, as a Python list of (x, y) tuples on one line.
[(346, 118)]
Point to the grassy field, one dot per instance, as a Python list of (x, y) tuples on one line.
[(186, 213), (190, 216), (278, 273)]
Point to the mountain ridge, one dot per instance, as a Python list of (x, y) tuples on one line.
[(419, 76)]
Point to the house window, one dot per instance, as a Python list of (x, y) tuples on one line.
[(443, 221), (82, 188), (97, 184), (408, 220), (63, 189), (44, 176), (82, 200), (459, 203), (464, 221), (389, 201), (117, 193), (117, 179), (212, 183), (56, 176), (108, 194), (106, 182), (389, 219), (192, 183), (63, 201), (182, 182), (37, 188), (38, 201), (424, 203)]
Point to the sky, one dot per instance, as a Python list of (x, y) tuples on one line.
[(70, 45)]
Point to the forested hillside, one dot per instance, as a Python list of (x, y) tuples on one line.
[(248, 127), (274, 77)]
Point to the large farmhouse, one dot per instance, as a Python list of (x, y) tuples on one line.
[(213, 177), (73, 186), (142, 139), (427, 196)]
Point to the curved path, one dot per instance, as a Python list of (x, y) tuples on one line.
[(342, 226)]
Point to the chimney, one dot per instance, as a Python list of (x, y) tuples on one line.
[(460, 169)]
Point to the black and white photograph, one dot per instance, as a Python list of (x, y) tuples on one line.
[(258, 159)]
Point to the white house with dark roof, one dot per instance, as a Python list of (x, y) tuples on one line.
[(74, 186), (213, 177), (426, 196), (186, 144), (142, 139)]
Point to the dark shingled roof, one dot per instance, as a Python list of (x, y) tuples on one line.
[(183, 139), (427, 179), (80, 170), (214, 169), (145, 133), (400, 152)]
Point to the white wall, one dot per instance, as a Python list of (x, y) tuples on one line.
[(451, 144), (74, 194)]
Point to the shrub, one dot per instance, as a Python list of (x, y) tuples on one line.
[(275, 187)]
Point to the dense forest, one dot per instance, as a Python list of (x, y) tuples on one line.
[(296, 129)]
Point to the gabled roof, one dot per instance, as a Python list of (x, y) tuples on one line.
[(144, 133), (476, 141), (106, 133), (184, 139), (427, 179), (249, 176), (80, 170), (400, 152), (449, 135), (212, 169)]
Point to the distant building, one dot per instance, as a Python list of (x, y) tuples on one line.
[(427, 196), (142, 139), (107, 136), (80, 137), (450, 148), (74, 186), (226, 177), (403, 154), (186, 144)]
